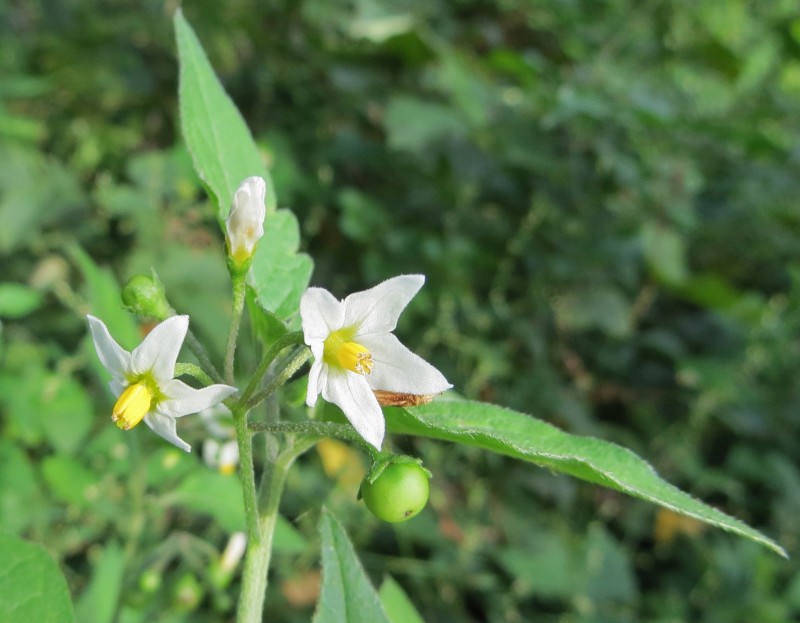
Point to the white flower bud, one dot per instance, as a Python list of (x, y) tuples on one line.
[(245, 223)]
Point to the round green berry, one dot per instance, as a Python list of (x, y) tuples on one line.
[(398, 493), (145, 296)]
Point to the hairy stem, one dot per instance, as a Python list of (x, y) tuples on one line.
[(295, 363), (315, 430), (193, 370), (202, 356), (290, 339), (236, 320), (244, 438), (259, 551)]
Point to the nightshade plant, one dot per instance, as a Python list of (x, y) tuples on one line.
[(381, 387)]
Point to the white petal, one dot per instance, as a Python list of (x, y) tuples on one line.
[(164, 426), (321, 314), (183, 399), (376, 310), (117, 387), (159, 350), (397, 369), (351, 393), (245, 222), (317, 378), (114, 358)]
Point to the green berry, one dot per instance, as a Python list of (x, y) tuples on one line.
[(145, 296), (398, 493)]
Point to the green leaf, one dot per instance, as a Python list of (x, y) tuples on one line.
[(17, 300), (524, 437), (105, 300), (67, 413), (215, 494), (21, 502), (279, 274), (665, 253), (220, 496), (32, 587), (35, 192), (221, 145), (397, 604), (347, 594), (412, 124), (600, 308), (98, 604), (68, 479)]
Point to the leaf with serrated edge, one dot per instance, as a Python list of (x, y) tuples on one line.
[(524, 437), (347, 594), (223, 150)]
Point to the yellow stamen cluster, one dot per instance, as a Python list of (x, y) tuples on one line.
[(342, 352), (132, 405)]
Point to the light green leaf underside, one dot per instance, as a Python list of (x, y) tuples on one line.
[(32, 587), (279, 274), (347, 594), (221, 145), (524, 437)]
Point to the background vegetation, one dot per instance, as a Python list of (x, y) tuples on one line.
[(604, 198)]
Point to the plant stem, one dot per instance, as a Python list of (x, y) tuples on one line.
[(244, 438), (317, 430), (238, 280), (282, 342), (295, 363), (259, 551), (202, 356), (193, 370)]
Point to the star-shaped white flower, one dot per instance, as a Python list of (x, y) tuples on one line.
[(143, 379), (356, 354)]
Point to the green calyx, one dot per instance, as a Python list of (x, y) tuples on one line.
[(144, 296)]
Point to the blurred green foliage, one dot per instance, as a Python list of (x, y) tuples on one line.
[(604, 197)]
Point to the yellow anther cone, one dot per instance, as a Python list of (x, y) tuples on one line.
[(132, 405)]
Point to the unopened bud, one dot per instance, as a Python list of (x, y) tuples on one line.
[(245, 223)]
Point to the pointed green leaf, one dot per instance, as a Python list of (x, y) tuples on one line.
[(32, 587), (347, 594), (105, 300), (221, 145), (279, 274), (397, 604), (524, 437), (98, 603)]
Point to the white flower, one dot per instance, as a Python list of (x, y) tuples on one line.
[(355, 352), (143, 379), (245, 223), (222, 456)]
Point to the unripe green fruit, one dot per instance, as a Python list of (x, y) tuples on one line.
[(398, 493), (145, 296)]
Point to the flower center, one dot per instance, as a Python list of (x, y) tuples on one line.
[(342, 352), (132, 405)]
